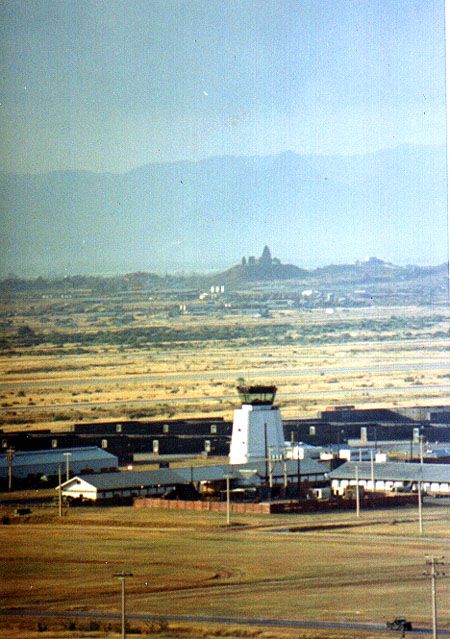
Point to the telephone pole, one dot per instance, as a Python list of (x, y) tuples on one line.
[(419, 487), (372, 471), (59, 491), (67, 458), (122, 576), (436, 569), (357, 490), (271, 462), (9, 458), (228, 476)]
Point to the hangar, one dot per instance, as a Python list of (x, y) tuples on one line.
[(46, 462)]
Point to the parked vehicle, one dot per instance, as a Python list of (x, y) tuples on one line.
[(400, 624)]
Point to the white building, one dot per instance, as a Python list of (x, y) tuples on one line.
[(128, 484), (302, 451), (257, 428), (392, 477)]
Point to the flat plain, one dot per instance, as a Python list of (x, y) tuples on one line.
[(68, 361), (365, 570), (72, 360)]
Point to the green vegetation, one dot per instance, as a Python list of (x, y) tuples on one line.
[(229, 332)]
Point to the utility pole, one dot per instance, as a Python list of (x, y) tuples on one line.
[(122, 576), (285, 478), (59, 491), (436, 569), (67, 456), (227, 479), (419, 487), (419, 502), (357, 489), (372, 470), (271, 461), (421, 449), (9, 458), (266, 452)]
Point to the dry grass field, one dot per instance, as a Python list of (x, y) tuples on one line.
[(366, 570), (67, 361), (367, 357)]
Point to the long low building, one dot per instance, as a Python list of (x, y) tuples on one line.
[(392, 477), (107, 486), (47, 462)]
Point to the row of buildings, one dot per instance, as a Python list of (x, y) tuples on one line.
[(262, 462), (334, 427)]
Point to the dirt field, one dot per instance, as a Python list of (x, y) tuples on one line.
[(367, 357), (190, 563)]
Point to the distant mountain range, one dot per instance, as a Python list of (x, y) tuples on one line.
[(200, 216)]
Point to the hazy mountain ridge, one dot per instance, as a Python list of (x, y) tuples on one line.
[(239, 276), (203, 215)]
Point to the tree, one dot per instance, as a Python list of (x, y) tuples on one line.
[(25, 331)]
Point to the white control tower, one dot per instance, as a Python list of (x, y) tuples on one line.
[(257, 427)]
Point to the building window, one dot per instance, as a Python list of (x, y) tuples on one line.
[(54, 443), (165, 428), (118, 428), (155, 446), (104, 443), (213, 429), (312, 430)]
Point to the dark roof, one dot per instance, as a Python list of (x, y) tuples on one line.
[(188, 474), (365, 416), (257, 388), (393, 471), (56, 456)]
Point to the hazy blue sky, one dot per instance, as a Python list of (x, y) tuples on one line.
[(110, 85)]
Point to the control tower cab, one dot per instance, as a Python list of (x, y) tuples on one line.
[(257, 427)]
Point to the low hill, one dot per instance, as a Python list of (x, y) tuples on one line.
[(264, 268), (375, 269), (250, 270)]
